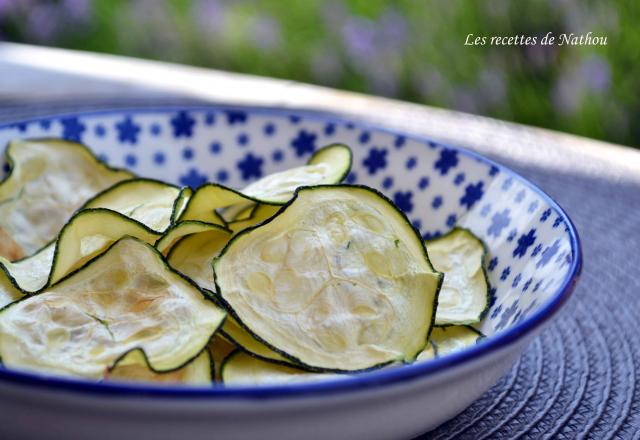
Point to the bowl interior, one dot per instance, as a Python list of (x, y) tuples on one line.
[(529, 240)]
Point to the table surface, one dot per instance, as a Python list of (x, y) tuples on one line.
[(581, 377)]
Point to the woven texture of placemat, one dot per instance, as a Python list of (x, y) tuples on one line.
[(581, 377)]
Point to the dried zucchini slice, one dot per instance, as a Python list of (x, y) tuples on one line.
[(207, 199), (328, 165), (454, 338), (126, 298), (184, 229), (244, 340), (339, 280), (239, 368), (260, 214), (134, 367), (8, 292), (49, 180), (181, 203), (86, 235), (464, 297), (219, 349), (430, 352), (150, 202), (192, 255)]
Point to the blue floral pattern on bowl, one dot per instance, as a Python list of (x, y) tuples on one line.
[(437, 186)]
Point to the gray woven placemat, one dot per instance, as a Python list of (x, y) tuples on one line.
[(581, 377)]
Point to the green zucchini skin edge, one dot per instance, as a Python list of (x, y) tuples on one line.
[(334, 145), (11, 163), (267, 202), (9, 160), (115, 363), (195, 222), (158, 255), (225, 361), (294, 359), (56, 250), (481, 335), (485, 256), (137, 180)]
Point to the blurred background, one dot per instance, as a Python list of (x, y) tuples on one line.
[(406, 49)]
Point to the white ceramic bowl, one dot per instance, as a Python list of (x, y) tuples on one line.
[(534, 264)]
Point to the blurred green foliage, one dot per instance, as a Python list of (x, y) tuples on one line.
[(407, 49)]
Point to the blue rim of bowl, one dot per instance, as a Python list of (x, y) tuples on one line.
[(361, 381)]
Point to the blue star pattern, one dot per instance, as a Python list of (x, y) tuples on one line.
[(128, 131), (548, 254), (472, 193), (505, 273), (236, 117), (72, 129), (304, 143), (403, 200), (506, 315), (193, 178), (251, 166), (448, 159), (492, 264), (183, 124), (545, 215), (499, 221), (376, 160), (524, 242)]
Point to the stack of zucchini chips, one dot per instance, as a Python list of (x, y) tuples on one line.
[(297, 277)]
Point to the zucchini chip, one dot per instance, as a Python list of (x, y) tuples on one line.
[(260, 214), (192, 255), (126, 298), (134, 367), (328, 165), (454, 338), (48, 181), (8, 292), (464, 297), (242, 369), (86, 235), (245, 341), (150, 202), (339, 281), (430, 352), (183, 229), (219, 349)]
